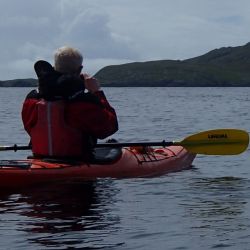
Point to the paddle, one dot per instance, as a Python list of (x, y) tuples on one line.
[(14, 147), (211, 142)]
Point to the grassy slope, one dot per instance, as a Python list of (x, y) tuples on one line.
[(221, 67)]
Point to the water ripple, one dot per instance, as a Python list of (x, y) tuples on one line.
[(206, 207)]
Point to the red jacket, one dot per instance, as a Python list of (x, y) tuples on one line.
[(87, 115)]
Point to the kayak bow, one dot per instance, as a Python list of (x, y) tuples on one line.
[(128, 163), (123, 160)]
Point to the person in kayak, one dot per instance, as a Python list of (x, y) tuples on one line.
[(61, 118)]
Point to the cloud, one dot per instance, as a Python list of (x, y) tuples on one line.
[(116, 31), (89, 30), (182, 29), (34, 31)]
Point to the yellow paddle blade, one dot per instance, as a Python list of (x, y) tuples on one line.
[(217, 142)]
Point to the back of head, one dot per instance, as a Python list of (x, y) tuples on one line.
[(68, 60)]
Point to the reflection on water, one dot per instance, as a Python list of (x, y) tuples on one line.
[(220, 197), (61, 214), (195, 209), (218, 208)]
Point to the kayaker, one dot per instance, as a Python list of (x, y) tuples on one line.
[(62, 119)]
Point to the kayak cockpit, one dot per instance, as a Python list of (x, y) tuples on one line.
[(105, 155)]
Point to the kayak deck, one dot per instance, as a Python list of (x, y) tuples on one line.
[(130, 163)]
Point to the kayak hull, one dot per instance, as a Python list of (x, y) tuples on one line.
[(131, 164)]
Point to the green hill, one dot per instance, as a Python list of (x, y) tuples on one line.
[(228, 66), (19, 83)]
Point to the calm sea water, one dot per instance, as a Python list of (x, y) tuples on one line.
[(207, 207)]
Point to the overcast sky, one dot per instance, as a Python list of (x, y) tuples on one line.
[(116, 31)]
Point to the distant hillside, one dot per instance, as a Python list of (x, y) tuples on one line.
[(19, 83), (220, 67), (227, 66)]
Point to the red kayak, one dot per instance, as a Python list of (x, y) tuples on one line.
[(129, 162)]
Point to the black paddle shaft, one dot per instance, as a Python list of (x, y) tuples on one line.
[(15, 148), (102, 145), (134, 144)]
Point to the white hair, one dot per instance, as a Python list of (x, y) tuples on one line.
[(67, 60)]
